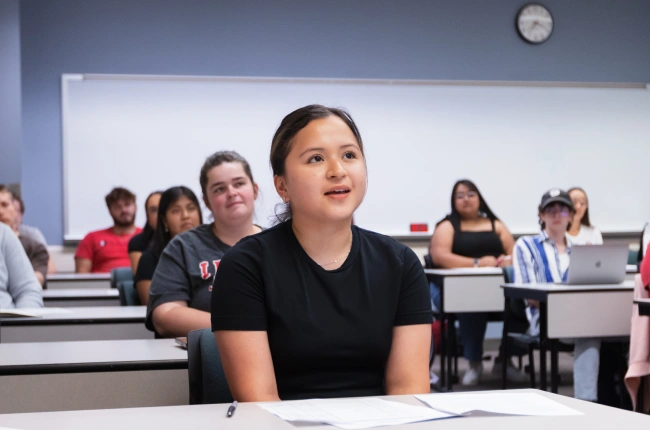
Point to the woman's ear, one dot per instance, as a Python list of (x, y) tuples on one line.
[(256, 190), (281, 187)]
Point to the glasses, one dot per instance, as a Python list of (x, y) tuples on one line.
[(555, 211), (469, 195)]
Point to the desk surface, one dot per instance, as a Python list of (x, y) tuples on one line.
[(249, 415), (67, 277), (81, 293), (85, 315), (466, 271), (550, 288), (90, 356)]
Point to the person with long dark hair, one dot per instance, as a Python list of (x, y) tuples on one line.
[(179, 295), (581, 231), (178, 211), (471, 236), (316, 306), (140, 242)]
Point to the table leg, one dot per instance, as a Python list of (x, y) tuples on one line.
[(444, 345), (451, 350), (554, 369), (543, 341), (504, 341)]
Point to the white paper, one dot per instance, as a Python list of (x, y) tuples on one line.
[(352, 413), (500, 403), (32, 312)]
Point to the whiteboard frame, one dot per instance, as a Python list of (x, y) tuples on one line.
[(68, 78)]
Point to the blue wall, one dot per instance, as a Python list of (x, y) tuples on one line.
[(10, 125), (594, 40)]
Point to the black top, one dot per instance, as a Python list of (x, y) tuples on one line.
[(138, 243), (186, 269), (476, 244), (146, 267), (330, 332)]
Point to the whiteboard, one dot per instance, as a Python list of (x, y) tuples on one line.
[(515, 140)]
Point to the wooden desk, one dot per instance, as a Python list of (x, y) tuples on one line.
[(57, 376), (644, 306), (81, 297), (576, 311), (78, 280), (463, 290), (93, 323), (251, 416)]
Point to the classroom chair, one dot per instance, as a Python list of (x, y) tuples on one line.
[(120, 274), (205, 371), (633, 257), (128, 294)]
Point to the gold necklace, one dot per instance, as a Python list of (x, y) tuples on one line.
[(340, 258)]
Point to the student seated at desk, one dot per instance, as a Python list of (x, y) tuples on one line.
[(178, 211), (18, 285), (103, 250), (179, 296), (471, 236), (142, 241), (29, 231), (545, 258), (581, 231), (315, 306), (36, 251)]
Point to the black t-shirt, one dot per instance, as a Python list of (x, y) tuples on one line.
[(330, 332), (146, 267), (138, 243)]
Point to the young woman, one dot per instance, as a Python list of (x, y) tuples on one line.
[(179, 296), (581, 231), (471, 236), (545, 258), (141, 241), (178, 211), (315, 306)]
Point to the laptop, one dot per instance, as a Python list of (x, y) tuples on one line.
[(597, 264)]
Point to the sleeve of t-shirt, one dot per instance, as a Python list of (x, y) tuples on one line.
[(146, 267), (171, 281), (22, 285), (238, 300), (414, 306), (523, 264), (85, 248), (597, 238), (645, 268), (39, 258)]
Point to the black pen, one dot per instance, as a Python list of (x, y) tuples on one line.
[(232, 408)]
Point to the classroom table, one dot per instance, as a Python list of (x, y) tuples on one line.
[(251, 416), (630, 271), (463, 290), (59, 376), (644, 306), (575, 311), (78, 280), (81, 297), (89, 323)]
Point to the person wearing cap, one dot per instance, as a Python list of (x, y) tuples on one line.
[(544, 258)]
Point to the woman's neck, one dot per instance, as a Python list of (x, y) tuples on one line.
[(231, 234), (324, 242)]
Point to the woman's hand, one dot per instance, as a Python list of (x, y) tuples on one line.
[(487, 261), (504, 260)]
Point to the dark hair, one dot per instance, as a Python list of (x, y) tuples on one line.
[(289, 127), (117, 194), (483, 208), (585, 219), (148, 231), (16, 197), (217, 159), (543, 224), (169, 197)]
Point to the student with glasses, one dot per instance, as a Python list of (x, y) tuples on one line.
[(581, 231), (544, 258), (471, 236)]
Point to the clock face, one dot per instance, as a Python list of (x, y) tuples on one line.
[(534, 23)]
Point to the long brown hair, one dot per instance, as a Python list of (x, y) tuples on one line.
[(585, 219)]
